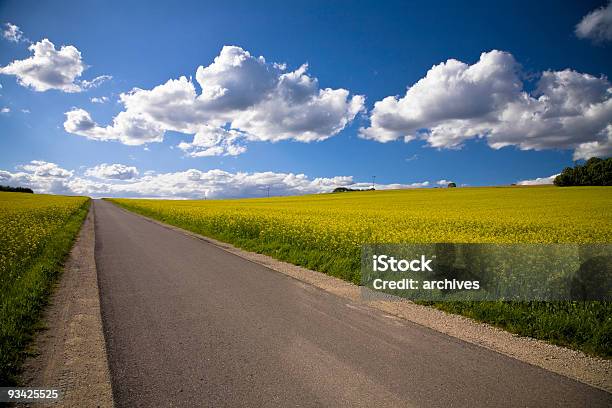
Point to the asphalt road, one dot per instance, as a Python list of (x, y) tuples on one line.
[(188, 324)]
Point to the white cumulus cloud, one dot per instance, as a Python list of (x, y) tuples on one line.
[(116, 180), (51, 68), (456, 101), (42, 168), (96, 82), (128, 128), (392, 186), (538, 181), (597, 25), (443, 182), (112, 171), (214, 141), (597, 148), (242, 98), (41, 176), (101, 99), (13, 33)]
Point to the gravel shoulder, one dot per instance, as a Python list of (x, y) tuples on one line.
[(569, 363), (70, 354)]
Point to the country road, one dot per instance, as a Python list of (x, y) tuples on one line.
[(189, 324)]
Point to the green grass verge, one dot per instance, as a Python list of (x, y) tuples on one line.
[(585, 326), (23, 300)]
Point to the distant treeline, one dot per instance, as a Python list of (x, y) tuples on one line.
[(595, 172), (16, 189), (346, 189)]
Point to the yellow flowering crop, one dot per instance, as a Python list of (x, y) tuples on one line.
[(501, 215), (27, 221)]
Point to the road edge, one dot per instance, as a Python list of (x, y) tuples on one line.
[(70, 354), (573, 364)]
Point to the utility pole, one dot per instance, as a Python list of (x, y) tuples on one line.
[(373, 181), (268, 188)]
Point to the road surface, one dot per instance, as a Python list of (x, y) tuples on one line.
[(188, 324)]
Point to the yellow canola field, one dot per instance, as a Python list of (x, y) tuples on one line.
[(326, 231), (499, 215), (27, 222)]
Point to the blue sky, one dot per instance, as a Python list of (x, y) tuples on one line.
[(373, 50)]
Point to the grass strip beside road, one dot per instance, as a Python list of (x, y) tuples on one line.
[(26, 286)]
